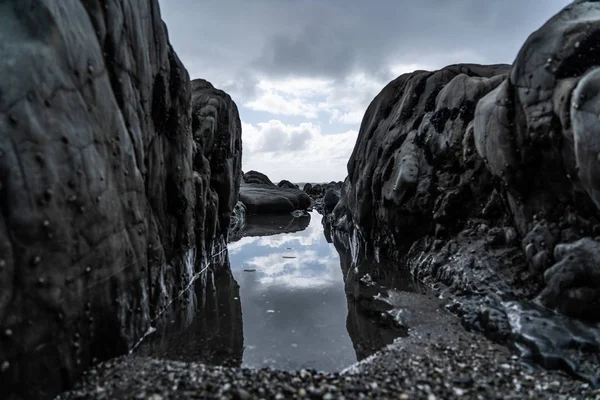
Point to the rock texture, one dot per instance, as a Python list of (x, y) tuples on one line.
[(324, 195), (261, 197), (485, 179), (287, 184), (537, 133), (116, 181)]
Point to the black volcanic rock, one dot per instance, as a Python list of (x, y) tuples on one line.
[(260, 196), (257, 177), (538, 134), (485, 179), (287, 185), (267, 199), (217, 131), (318, 192), (114, 187), (330, 200)]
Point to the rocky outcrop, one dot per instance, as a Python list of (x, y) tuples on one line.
[(483, 179), (217, 162), (255, 177), (414, 165), (319, 189), (287, 185), (324, 195), (538, 135), (261, 197), (116, 181), (330, 200)]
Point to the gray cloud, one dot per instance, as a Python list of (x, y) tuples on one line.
[(332, 38), (261, 52)]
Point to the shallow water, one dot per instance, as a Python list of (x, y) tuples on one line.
[(294, 306), (292, 300)]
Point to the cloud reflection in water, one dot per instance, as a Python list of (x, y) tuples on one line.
[(298, 276)]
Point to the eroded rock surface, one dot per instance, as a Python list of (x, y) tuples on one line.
[(484, 180), (116, 181), (324, 195)]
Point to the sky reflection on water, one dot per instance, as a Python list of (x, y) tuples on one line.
[(294, 307)]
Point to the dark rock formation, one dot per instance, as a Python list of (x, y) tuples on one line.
[(257, 177), (330, 200), (537, 133), (114, 190), (414, 165), (217, 162), (266, 199), (260, 196), (238, 218), (319, 189), (287, 185), (318, 192), (484, 178)]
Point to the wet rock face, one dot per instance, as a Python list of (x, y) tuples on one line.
[(108, 197), (506, 157), (537, 133), (217, 161), (414, 166)]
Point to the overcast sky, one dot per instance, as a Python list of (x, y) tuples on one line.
[(302, 72)]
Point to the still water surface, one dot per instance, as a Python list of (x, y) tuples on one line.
[(294, 306), (291, 300)]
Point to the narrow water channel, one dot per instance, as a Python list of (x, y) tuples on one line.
[(294, 306), (292, 300)]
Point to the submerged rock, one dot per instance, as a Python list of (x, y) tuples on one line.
[(112, 193)]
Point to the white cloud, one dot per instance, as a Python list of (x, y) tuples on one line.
[(273, 269), (301, 87), (317, 158), (348, 100), (397, 69), (275, 136), (278, 104), (306, 238), (345, 101)]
